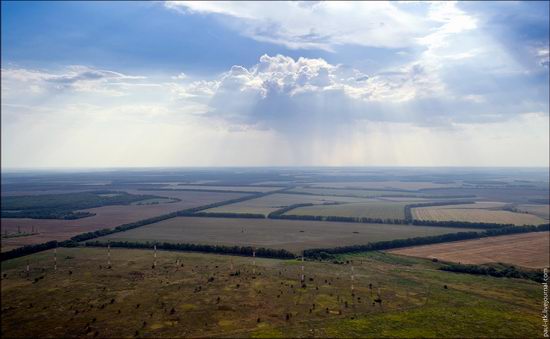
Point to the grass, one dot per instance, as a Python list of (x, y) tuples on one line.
[(414, 300), (370, 209)]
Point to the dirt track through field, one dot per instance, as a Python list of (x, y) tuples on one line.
[(527, 250)]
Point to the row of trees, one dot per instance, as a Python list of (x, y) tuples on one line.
[(122, 228), (408, 208), (47, 213), (194, 190), (505, 271), (194, 210), (328, 253), (278, 214), (29, 249), (219, 249), (337, 218), (459, 224), (65, 205), (229, 215)]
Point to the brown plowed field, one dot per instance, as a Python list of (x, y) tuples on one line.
[(106, 217), (527, 250)]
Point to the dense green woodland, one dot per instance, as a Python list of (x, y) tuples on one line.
[(66, 205)]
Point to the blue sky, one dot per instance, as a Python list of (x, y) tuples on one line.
[(280, 83)]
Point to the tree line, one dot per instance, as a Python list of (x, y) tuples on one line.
[(337, 218), (502, 272), (192, 211), (219, 249), (30, 249), (408, 208), (280, 214), (328, 253), (65, 205), (229, 215)]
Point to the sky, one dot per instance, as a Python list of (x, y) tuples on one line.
[(158, 84)]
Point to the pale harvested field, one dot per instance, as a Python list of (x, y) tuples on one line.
[(369, 209), (273, 202), (293, 235), (439, 213), (404, 185), (106, 217), (542, 211), (527, 250)]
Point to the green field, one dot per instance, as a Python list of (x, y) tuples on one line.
[(195, 295), (369, 209), (292, 235), (273, 202)]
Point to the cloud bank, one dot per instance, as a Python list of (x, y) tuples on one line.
[(459, 91)]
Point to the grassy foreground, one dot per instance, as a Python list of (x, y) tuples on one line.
[(199, 295)]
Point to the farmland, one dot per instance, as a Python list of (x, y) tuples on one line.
[(106, 216), (63, 206), (292, 235), (527, 250), (368, 209), (273, 202), (196, 295), (392, 185), (353, 192), (202, 295), (475, 213), (542, 211)]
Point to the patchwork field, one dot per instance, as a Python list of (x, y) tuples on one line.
[(371, 209), (198, 295), (293, 235), (519, 195), (273, 202), (527, 250), (403, 185), (479, 212), (106, 216), (352, 192)]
